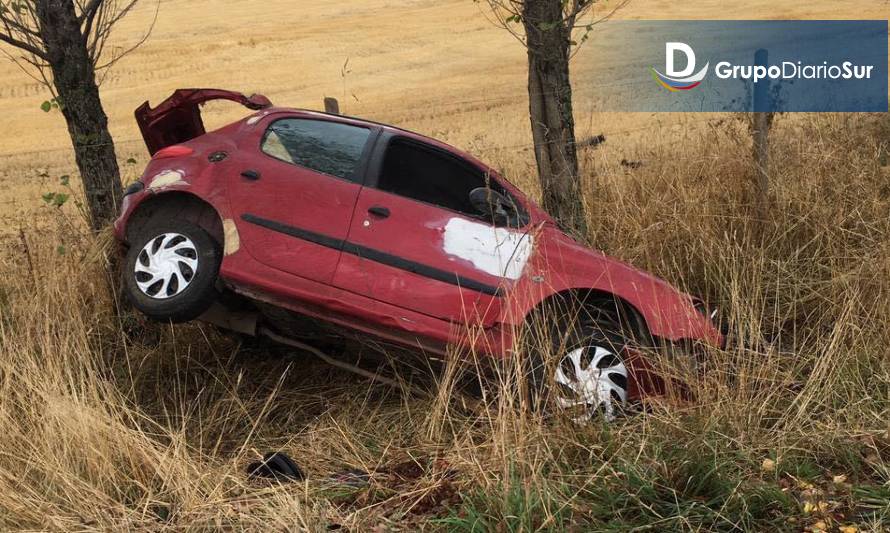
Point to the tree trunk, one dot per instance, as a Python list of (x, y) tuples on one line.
[(550, 111), (75, 82)]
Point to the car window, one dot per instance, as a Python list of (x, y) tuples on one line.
[(329, 147), (426, 174)]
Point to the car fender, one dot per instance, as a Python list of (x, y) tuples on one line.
[(561, 266), (182, 177)]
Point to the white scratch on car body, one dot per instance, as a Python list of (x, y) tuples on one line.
[(232, 239), (167, 178), (256, 118), (496, 251)]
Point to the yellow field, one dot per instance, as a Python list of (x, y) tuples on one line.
[(440, 68)]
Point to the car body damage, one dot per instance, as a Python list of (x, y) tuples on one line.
[(231, 239), (167, 178), (178, 118), (497, 251), (369, 227)]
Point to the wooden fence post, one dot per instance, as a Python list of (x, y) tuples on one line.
[(331, 105), (761, 125)]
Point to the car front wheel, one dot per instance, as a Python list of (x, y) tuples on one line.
[(170, 271), (581, 370), (590, 378)]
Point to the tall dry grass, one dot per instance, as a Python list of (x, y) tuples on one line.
[(99, 433)]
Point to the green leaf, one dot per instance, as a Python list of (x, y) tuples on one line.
[(60, 249), (46, 106), (48, 196), (64, 180), (60, 199)]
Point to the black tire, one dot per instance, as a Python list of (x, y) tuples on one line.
[(563, 336), (200, 290)]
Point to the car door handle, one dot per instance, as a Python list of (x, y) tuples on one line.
[(379, 211), (252, 175)]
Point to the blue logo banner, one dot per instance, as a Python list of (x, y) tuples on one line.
[(738, 66)]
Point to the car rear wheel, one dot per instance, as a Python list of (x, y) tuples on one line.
[(170, 271)]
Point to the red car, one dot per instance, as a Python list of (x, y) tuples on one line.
[(381, 231)]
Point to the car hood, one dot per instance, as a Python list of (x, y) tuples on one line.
[(669, 313)]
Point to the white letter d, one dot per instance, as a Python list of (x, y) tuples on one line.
[(669, 49)]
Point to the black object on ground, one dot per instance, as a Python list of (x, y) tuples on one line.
[(276, 465)]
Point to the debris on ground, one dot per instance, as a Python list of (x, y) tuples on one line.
[(277, 466)]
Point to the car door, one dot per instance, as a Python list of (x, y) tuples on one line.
[(416, 242), (293, 188)]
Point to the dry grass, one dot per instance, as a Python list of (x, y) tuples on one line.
[(97, 433)]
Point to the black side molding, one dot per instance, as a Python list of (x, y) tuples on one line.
[(377, 256), (303, 234)]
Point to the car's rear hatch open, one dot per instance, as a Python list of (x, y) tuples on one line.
[(178, 118)]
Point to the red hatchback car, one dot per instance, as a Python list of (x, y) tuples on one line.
[(381, 231)]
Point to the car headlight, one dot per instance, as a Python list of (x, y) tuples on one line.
[(704, 310)]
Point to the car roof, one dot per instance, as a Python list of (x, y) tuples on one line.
[(358, 121)]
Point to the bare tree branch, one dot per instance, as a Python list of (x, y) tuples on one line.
[(507, 14), (19, 28), (117, 57), (36, 52), (107, 17), (27, 72), (15, 25), (577, 7), (89, 10), (590, 25), (61, 44), (609, 15), (88, 15), (501, 14)]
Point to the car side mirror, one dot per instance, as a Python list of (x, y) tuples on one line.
[(492, 205)]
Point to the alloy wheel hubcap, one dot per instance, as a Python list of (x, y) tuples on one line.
[(166, 266), (592, 378)]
